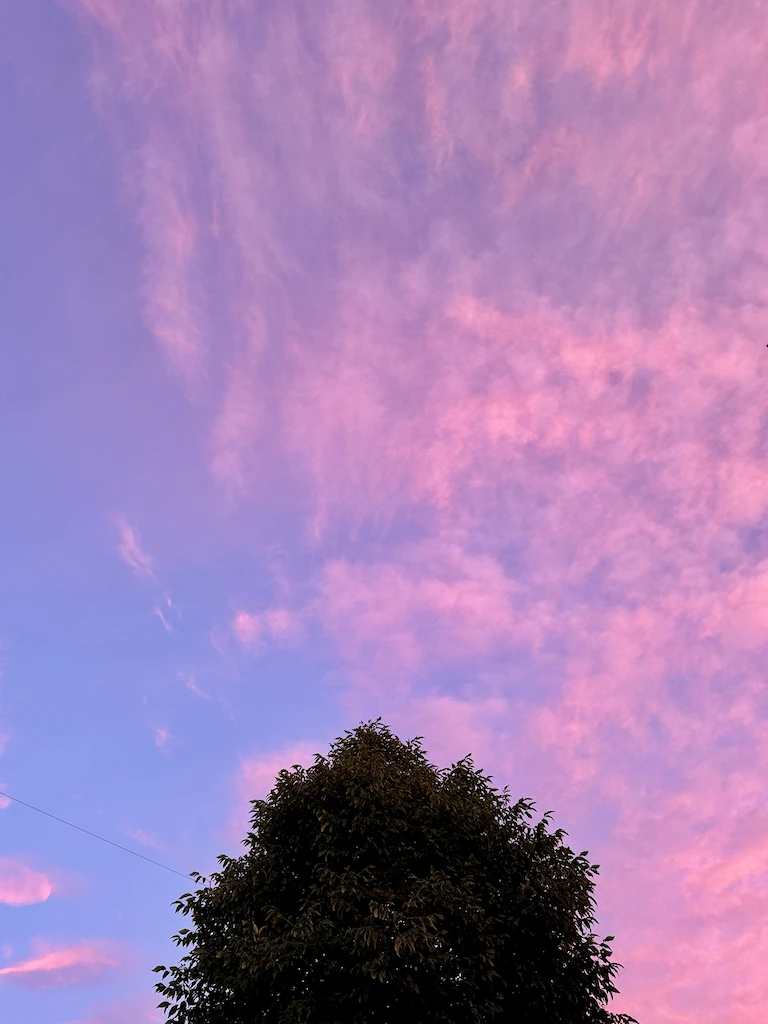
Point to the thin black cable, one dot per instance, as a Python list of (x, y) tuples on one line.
[(79, 829)]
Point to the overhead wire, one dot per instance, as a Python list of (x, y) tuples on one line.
[(64, 821)]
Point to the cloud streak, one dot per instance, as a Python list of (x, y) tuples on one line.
[(132, 554), (59, 966)]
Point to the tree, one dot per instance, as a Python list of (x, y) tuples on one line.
[(377, 888)]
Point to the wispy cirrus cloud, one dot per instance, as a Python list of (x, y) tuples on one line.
[(142, 565), (132, 553), (485, 289), (161, 737), (58, 966), (149, 840)]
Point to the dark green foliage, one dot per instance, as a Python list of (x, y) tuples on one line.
[(376, 888)]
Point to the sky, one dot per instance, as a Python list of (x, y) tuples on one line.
[(398, 359)]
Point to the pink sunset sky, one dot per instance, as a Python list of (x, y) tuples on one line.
[(401, 359)]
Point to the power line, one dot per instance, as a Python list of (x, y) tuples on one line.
[(93, 834)]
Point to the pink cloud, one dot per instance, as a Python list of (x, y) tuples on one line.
[(277, 624), (191, 684), (258, 773), (170, 231), (239, 418), (132, 553), (373, 613), (62, 966), (141, 564), (697, 856), (106, 12), (435, 603), (454, 727), (540, 347), (740, 611), (164, 621), (21, 885), (161, 736), (247, 627), (148, 840)]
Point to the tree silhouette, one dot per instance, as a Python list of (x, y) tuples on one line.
[(377, 888)]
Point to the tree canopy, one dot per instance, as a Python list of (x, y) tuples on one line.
[(376, 887)]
